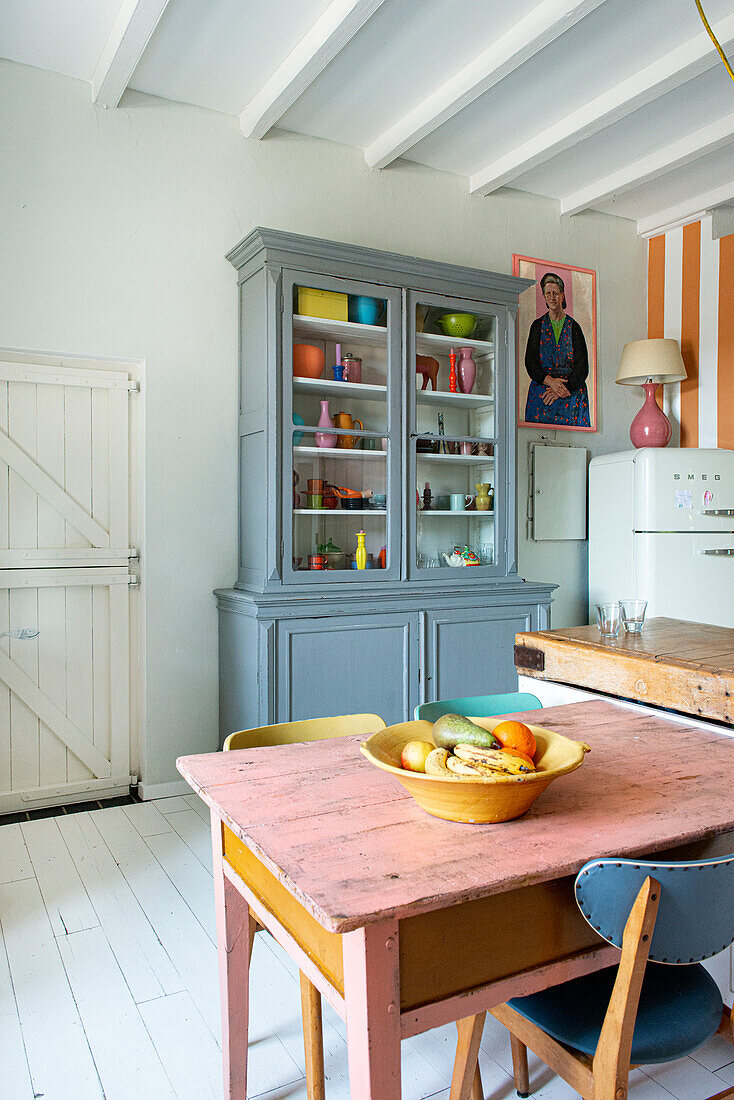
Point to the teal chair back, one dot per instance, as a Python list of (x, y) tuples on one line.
[(695, 919), (478, 706)]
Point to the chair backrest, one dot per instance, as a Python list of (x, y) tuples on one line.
[(313, 729), (478, 706), (696, 914)]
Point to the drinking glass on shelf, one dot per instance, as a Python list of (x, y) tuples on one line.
[(486, 553), (608, 619), (633, 615)]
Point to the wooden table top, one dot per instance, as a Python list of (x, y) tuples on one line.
[(683, 666), (354, 847)]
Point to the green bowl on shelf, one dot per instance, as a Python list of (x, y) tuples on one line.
[(457, 324)]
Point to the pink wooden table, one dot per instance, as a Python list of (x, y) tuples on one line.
[(405, 922)]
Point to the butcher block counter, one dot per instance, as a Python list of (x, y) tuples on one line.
[(682, 666)]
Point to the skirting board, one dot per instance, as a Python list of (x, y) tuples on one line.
[(163, 790)]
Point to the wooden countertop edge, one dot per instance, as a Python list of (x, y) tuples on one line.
[(536, 640)]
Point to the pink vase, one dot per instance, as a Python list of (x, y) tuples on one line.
[(466, 370), (325, 439), (651, 427)]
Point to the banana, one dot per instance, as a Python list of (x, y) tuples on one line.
[(459, 767), (491, 761), (436, 764)]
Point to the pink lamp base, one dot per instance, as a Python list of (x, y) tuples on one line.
[(651, 427)]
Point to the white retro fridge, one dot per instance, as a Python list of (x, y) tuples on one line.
[(661, 528)]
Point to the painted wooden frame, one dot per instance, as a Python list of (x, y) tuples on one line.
[(580, 292)]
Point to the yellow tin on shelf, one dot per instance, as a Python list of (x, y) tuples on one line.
[(322, 303)]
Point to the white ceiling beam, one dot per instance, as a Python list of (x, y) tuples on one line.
[(687, 61), (327, 37), (135, 23), (541, 26), (689, 148), (687, 211)]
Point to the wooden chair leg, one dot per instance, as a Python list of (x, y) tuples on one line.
[(313, 1039), (520, 1066), (254, 927), (466, 1084)]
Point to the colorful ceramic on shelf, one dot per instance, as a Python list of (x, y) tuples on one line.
[(466, 370), (457, 324), (365, 310), (482, 501), (427, 366), (361, 555), (325, 438), (344, 421), (297, 436), (308, 361)]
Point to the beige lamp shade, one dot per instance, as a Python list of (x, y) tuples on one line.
[(650, 360)]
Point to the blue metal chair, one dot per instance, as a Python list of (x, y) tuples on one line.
[(659, 1003), (478, 706)]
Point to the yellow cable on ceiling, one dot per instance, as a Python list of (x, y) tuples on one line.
[(714, 39)]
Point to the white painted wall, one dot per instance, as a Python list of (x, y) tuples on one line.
[(113, 233)]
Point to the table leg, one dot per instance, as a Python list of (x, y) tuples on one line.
[(372, 1001), (235, 930)]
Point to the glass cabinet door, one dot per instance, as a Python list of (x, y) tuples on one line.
[(341, 430), (456, 465)]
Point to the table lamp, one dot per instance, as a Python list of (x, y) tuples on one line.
[(650, 363)]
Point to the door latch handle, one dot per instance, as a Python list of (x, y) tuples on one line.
[(717, 512), (723, 552)]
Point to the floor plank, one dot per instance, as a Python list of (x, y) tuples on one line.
[(188, 876), (58, 1053), (15, 863), (147, 818), (192, 1059), (67, 902), (187, 944), (14, 1072), (142, 958), (198, 804), (172, 805), (196, 832), (124, 1054)]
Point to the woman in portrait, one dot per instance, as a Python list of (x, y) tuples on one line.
[(558, 363)]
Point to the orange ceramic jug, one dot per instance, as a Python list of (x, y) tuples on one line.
[(344, 420)]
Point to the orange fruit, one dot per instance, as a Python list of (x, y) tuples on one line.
[(516, 735), (522, 756)]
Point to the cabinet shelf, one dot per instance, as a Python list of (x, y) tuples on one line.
[(366, 390), (336, 452), (324, 328), (468, 460), (472, 514), (331, 512), (444, 344), (461, 400)]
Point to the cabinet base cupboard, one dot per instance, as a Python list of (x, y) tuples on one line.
[(376, 409)]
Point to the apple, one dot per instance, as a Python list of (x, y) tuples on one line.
[(413, 756)]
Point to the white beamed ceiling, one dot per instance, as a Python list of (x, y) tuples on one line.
[(620, 106)]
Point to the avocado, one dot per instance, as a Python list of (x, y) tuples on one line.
[(454, 729)]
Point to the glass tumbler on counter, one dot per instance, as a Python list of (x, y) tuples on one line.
[(608, 619), (633, 615)]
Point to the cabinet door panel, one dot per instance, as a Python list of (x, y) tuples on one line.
[(347, 665), (471, 652)]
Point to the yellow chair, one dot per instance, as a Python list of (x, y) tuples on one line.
[(290, 733)]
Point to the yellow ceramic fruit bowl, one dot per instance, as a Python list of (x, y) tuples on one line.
[(480, 800)]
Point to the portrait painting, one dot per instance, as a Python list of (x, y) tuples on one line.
[(556, 353)]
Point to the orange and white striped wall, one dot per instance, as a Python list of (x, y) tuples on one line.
[(690, 298)]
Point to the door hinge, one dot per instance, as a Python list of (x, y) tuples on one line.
[(419, 673), (133, 385), (282, 300), (282, 550), (505, 337)]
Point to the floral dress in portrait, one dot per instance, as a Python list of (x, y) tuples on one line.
[(566, 359)]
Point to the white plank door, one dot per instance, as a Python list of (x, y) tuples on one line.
[(65, 570)]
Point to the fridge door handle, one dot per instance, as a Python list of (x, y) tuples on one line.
[(717, 512), (721, 552)]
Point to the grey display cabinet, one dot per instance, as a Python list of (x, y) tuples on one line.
[(401, 463)]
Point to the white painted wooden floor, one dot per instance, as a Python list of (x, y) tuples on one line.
[(108, 979)]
